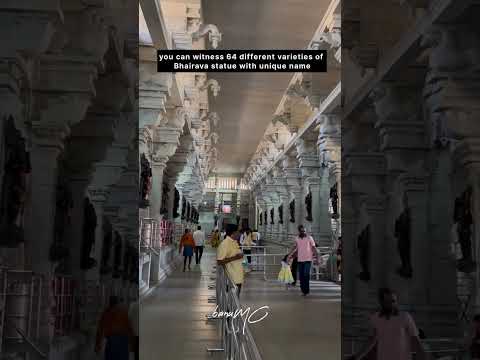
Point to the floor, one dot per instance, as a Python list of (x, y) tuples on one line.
[(173, 325)]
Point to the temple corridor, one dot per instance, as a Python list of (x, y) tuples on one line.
[(107, 163), (173, 317)]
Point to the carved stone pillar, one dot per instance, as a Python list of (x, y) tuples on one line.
[(44, 161), (316, 186)]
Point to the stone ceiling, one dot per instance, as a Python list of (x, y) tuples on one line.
[(247, 101)]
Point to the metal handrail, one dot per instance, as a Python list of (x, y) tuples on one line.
[(237, 341), (332, 274), (456, 351), (31, 343)]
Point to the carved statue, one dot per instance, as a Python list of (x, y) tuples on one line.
[(127, 262), (117, 255), (363, 245), (403, 235), (272, 216), (89, 226), (145, 181), (308, 205), (184, 207), (176, 203), (59, 250), (334, 199), (280, 214), (165, 192), (189, 214), (133, 274), (105, 267), (292, 211), (464, 220), (14, 186)]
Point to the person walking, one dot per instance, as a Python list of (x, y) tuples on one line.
[(306, 252), (188, 244), (256, 237), (133, 315), (393, 332), (475, 340), (215, 239), (199, 238), (247, 244), (115, 328), (230, 256)]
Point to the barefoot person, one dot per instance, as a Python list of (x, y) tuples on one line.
[(199, 238), (394, 332), (230, 255), (305, 252), (188, 245), (115, 329)]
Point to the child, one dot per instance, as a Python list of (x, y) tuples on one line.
[(285, 275)]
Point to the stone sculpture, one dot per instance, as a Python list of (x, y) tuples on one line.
[(145, 181), (464, 220), (14, 187), (363, 245), (403, 235)]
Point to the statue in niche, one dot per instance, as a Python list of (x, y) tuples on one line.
[(89, 226), (188, 215), (133, 274), (117, 255), (176, 203), (292, 211), (334, 200), (280, 214), (126, 262), (272, 216), (165, 193), (363, 245), (403, 235), (308, 206), (105, 267), (265, 217), (260, 217), (464, 220), (59, 250), (17, 170), (145, 181), (131, 263), (184, 207)]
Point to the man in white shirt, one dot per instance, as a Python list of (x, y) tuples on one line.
[(199, 238)]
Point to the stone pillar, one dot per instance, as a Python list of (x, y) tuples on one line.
[(321, 225), (44, 161), (158, 168)]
